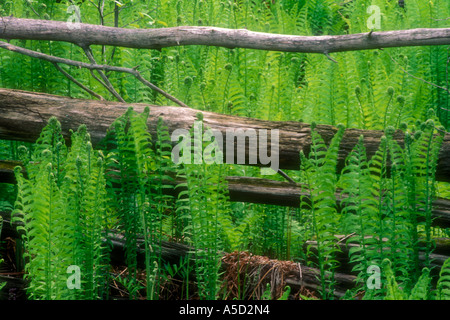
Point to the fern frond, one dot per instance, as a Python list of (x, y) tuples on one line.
[(443, 285), (360, 210), (421, 290), (319, 169)]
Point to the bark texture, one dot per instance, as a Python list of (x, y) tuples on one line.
[(88, 34), (265, 191), (24, 114)]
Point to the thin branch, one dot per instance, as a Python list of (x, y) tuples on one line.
[(32, 8), (97, 78), (90, 66), (50, 58), (82, 86), (284, 175), (165, 94), (329, 57), (106, 82), (415, 77)]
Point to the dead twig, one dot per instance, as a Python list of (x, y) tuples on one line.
[(91, 66)]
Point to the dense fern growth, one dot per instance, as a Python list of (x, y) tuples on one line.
[(205, 205), (422, 289), (62, 213), (359, 211), (68, 206), (389, 212), (70, 201), (142, 173), (321, 178), (443, 285)]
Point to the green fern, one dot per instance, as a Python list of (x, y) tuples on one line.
[(40, 209), (420, 290), (204, 204), (360, 210), (320, 172), (393, 291), (121, 159), (443, 285), (61, 215), (145, 174)]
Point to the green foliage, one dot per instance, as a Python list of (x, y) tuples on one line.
[(421, 289), (204, 203), (73, 197), (367, 89), (142, 174), (321, 178), (443, 285), (7, 197), (60, 209), (359, 210), (67, 205), (388, 209), (267, 294)]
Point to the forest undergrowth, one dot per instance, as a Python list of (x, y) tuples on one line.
[(75, 200)]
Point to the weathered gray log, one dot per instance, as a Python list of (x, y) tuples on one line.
[(87, 34), (24, 114), (172, 252), (264, 191), (263, 270), (281, 193), (440, 253)]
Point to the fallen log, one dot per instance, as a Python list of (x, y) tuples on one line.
[(7, 171), (258, 273), (173, 251), (257, 270), (437, 258), (264, 191), (302, 280), (24, 114), (89, 34), (281, 193)]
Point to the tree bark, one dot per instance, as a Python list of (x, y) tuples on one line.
[(264, 191), (260, 270), (24, 114), (87, 34), (280, 193)]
